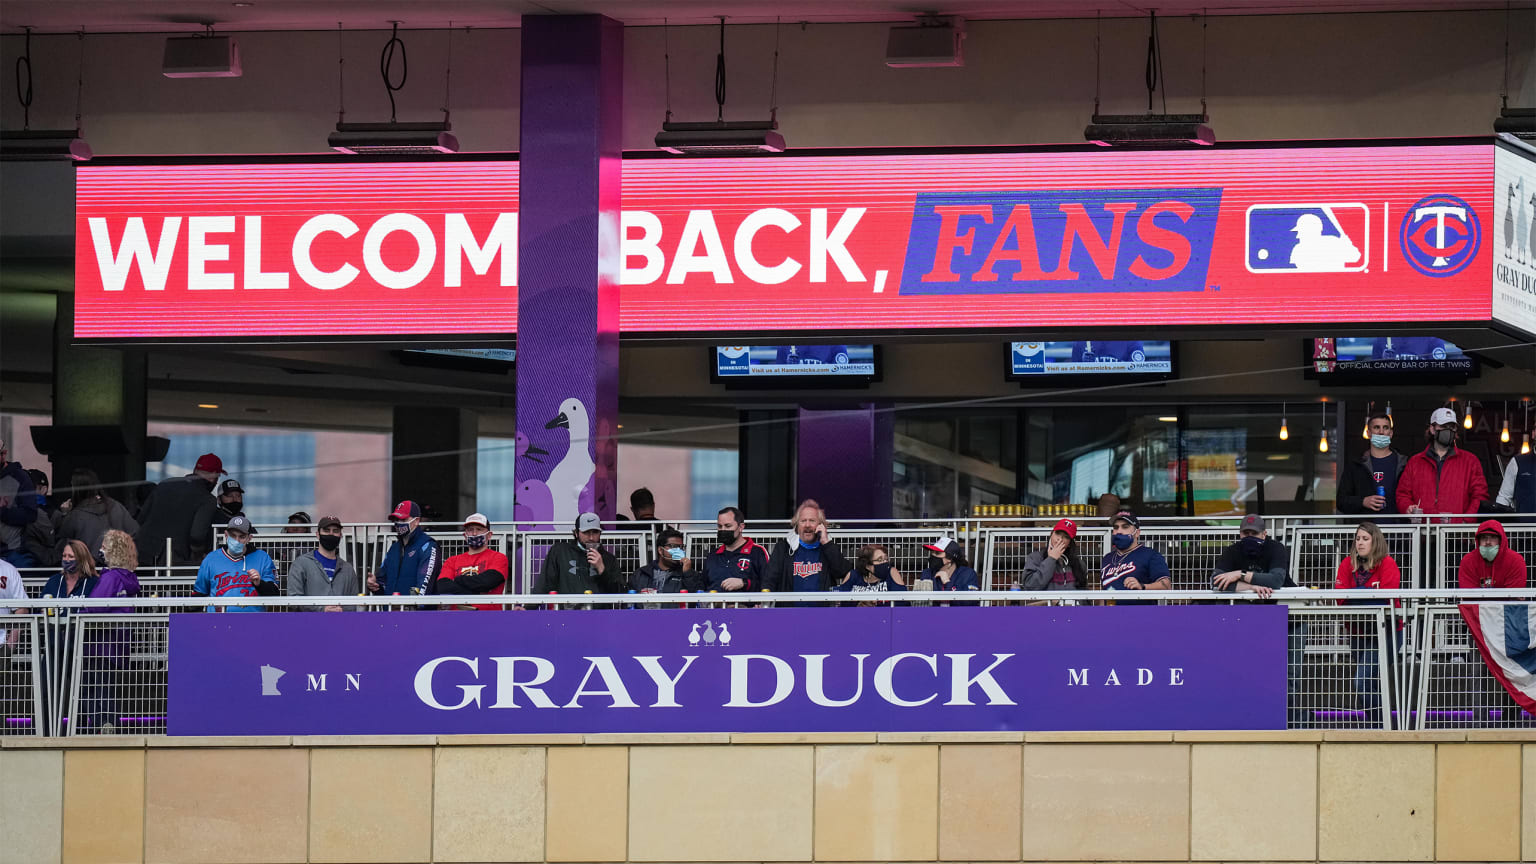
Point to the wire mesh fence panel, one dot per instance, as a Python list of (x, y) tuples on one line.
[(1006, 552), (1191, 552), (119, 675), (1317, 550), (1454, 542), (1341, 668), (21, 695), (630, 548), (1457, 691)]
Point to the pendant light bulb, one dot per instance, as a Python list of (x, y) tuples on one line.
[(1525, 445), (1504, 436), (1322, 435), (1285, 433), (1466, 419)]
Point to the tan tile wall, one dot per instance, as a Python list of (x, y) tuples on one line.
[(845, 798)]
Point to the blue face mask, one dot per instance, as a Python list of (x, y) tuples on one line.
[(475, 541), (42, 500), (1381, 442), (1251, 546), (677, 553), (1122, 541), (810, 544), (234, 546)]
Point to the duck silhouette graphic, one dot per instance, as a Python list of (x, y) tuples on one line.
[(570, 476), (725, 636), (1509, 221), (693, 636), (709, 634)]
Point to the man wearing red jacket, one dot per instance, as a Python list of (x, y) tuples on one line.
[(1443, 478), (481, 570), (1492, 564)]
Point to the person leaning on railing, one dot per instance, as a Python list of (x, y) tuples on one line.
[(580, 564), (323, 572), (1370, 566), (949, 571), (737, 564), (1132, 566), (237, 570), (1492, 563), (872, 571), (1058, 565), (672, 572), (1255, 563), (481, 570)]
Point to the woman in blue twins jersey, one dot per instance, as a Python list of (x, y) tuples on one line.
[(1130, 566), (237, 570)]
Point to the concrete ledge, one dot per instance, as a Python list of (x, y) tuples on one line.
[(1513, 736), (951, 738), (92, 742), (1278, 736), (1131, 736), (364, 740), (803, 737), (1378, 736), (658, 738), (210, 741), (528, 740)]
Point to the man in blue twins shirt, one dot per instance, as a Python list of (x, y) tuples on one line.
[(1130, 566), (237, 570)]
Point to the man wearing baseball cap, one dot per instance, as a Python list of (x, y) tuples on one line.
[(1130, 565), (1254, 563), (1442, 478), (231, 499), (949, 570), (182, 510), (481, 570), (581, 564), (1058, 565), (238, 569), (323, 573), (412, 563)]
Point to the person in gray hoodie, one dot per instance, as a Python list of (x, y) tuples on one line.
[(90, 514), (323, 573), (1056, 566)]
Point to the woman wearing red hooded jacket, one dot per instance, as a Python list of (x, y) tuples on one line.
[(1491, 563)]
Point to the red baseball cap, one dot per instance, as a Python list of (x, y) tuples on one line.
[(405, 510), (211, 463), (1068, 527)]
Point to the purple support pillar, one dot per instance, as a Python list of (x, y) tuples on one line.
[(844, 461), (568, 272)]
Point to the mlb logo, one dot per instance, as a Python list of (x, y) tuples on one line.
[(1308, 238)]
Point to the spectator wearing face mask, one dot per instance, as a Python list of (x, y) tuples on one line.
[(672, 572), (1443, 478), (872, 571), (580, 563), (38, 538), (1491, 563), (18, 509), (231, 499), (949, 571), (322, 572), (413, 561), (107, 651), (481, 570), (1255, 563), (1369, 484), (90, 513), (180, 510), (1131, 566), (737, 564), (237, 570)]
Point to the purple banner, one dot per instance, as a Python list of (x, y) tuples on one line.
[(733, 670)]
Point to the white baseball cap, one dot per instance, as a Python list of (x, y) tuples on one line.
[(1442, 416), (477, 519), (940, 545)]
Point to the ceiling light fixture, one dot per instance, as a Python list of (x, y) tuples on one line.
[(1285, 433), (1322, 438), (207, 404), (43, 145), (1150, 131), (392, 138), (722, 137)]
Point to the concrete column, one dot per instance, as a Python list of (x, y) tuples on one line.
[(568, 266)]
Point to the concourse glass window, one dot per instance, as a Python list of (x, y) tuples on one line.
[(1237, 461), (275, 467), (1078, 453), (946, 464)]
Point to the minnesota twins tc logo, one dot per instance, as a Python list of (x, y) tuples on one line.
[(1440, 235)]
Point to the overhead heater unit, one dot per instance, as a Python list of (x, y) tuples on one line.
[(393, 139), (201, 57), (931, 42), (1151, 131), (1517, 122), (44, 145), (721, 138)]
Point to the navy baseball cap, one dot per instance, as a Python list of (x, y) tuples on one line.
[(1127, 517), (405, 510)]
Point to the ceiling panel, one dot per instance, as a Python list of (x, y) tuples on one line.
[(173, 15)]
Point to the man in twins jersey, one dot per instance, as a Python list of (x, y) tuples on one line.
[(237, 570), (1130, 566)]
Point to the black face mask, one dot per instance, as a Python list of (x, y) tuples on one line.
[(883, 571), (230, 507), (1445, 437), (726, 536), (330, 542)]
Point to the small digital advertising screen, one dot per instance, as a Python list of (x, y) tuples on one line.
[(1381, 356), (796, 363), (1121, 359)]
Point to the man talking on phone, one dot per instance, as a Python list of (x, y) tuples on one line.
[(581, 564)]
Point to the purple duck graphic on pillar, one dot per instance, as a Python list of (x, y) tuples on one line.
[(570, 476), (532, 506), (528, 450)]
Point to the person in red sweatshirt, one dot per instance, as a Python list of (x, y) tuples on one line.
[(1492, 564), (1442, 478), (481, 570)]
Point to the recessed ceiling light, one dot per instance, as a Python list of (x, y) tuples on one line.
[(1169, 419), (242, 5), (207, 405)]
